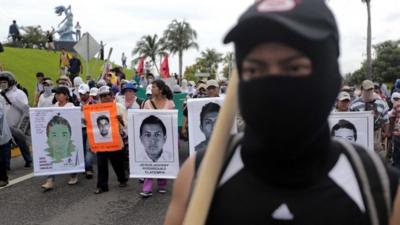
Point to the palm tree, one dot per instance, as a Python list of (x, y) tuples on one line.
[(149, 46), (179, 36), (209, 60), (228, 60), (369, 61)]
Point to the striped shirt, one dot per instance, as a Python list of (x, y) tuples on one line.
[(378, 106)]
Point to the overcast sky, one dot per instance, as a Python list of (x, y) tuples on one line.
[(121, 23)]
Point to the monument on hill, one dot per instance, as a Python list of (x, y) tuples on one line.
[(65, 29)]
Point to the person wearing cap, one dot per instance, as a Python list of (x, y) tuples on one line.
[(116, 157), (277, 173), (394, 118), (84, 97), (93, 96), (201, 91), (129, 99), (62, 96), (16, 106), (47, 96), (212, 88), (369, 101), (343, 102)]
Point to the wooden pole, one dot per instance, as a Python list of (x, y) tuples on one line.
[(214, 158)]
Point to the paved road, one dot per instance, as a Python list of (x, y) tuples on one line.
[(25, 203)]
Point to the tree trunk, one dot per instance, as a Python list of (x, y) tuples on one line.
[(155, 64), (369, 60), (180, 65)]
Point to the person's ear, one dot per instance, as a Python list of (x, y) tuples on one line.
[(164, 139)]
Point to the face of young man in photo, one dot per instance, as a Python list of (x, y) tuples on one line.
[(345, 133), (104, 127), (153, 139), (207, 124)]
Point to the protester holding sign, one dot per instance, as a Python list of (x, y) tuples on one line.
[(112, 139), (62, 96), (296, 175), (161, 98)]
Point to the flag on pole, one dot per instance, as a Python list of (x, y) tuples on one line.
[(165, 67), (140, 68)]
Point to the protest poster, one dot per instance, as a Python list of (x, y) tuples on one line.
[(102, 127), (153, 143), (57, 144), (202, 115), (357, 127)]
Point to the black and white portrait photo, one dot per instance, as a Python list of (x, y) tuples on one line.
[(153, 143), (355, 127), (102, 128), (202, 115)]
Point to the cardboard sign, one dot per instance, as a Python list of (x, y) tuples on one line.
[(57, 144), (153, 143), (103, 127)]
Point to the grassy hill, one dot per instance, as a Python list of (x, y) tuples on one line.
[(25, 63)]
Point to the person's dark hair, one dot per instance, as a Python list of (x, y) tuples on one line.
[(102, 117), (153, 120), (39, 74), (57, 120), (165, 90), (148, 75), (14, 21), (344, 124), (208, 108)]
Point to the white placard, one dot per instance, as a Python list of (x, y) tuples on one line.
[(57, 144), (153, 143), (202, 114), (354, 126)]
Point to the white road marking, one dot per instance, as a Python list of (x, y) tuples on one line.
[(18, 180)]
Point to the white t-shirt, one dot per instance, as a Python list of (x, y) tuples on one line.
[(69, 104), (46, 101)]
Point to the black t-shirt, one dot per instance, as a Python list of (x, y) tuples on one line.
[(74, 65), (244, 198), (49, 38)]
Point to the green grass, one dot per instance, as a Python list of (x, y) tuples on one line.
[(25, 63)]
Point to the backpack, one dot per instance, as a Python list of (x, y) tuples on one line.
[(23, 89), (366, 165)]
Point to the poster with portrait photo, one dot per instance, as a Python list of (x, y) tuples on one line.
[(153, 143), (102, 127), (57, 145), (202, 115), (357, 127)]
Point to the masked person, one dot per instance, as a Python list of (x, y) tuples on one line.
[(277, 175), (47, 96)]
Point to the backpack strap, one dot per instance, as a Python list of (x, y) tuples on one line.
[(373, 180), (234, 142)]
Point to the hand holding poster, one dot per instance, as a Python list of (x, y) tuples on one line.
[(57, 141), (356, 127), (153, 143), (102, 127), (202, 115)]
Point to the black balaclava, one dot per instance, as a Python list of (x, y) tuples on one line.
[(287, 139)]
